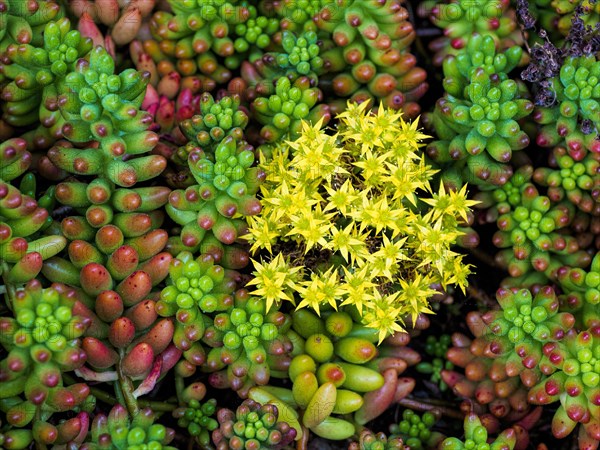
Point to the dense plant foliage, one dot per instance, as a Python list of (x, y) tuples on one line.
[(277, 224)]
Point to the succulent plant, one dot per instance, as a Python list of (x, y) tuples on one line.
[(118, 430), (14, 159), (252, 426), (586, 230), (524, 325), (197, 418), (15, 439), (366, 57), (415, 430), (38, 76), (572, 115), (479, 88), (46, 199), (110, 216), (581, 292), (44, 330), (532, 230), (248, 344), (126, 341), (573, 367), (480, 52), (169, 113), (23, 248), (258, 30), (337, 371), (197, 286), (199, 27), (482, 127), (283, 112), (295, 15), (437, 349), (574, 180), (215, 121), (253, 36), (485, 380), (123, 19), (226, 189), (301, 53), (170, 72), (24, 23), (500, 200), (104, 107), (115, 240), (371, 441), (463, 19), (476, 437), (42, 342)]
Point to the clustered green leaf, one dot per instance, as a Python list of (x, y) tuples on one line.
[(252, 426), (476, 437), (477, 119)]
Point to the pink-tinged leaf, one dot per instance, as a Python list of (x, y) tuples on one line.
[(89, 375), (149, 382)]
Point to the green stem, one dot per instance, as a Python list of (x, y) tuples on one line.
[(11, 291), (155, 406), (302, 444), (420, 405), (38, 418), (127, 388), (103, 396), (179, 387), (119, 393)]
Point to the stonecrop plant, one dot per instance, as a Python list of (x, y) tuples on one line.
[(222, 228), (351, 219)]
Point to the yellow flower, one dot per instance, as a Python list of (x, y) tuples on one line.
[(411, 134), (386, 259), (435, 244), (341, 199), (373, 168), (384, 314), (357, 287), (262, 232), (323, 288), (353, 114), (377, 213), (312, 225), (316, 155), (404, 182), (275, 281), (286, 201), (276, 167), (346, 242), (415, 294), (457, 272), (360, 195), (388, 121), (451, 203)]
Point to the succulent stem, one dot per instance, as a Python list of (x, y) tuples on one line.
[(179, 387), (421, 405), (10, 289), (302, 443), (127, 387)]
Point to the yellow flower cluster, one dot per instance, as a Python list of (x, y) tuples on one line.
[(351, 219)]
